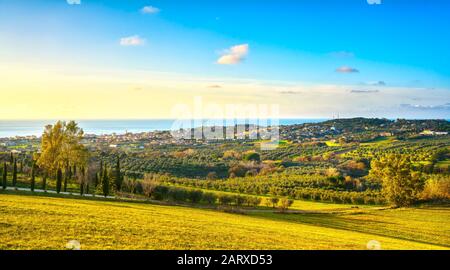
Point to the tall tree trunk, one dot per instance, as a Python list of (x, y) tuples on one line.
[(66, 176), (58, 180), (5, 175), (14, 181), (118, 176), (33, 168), (82, 181), (65, 184), (44, 182), (105, 183)]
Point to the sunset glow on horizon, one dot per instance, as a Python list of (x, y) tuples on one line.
[(140, 59)]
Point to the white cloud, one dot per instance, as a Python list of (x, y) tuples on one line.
[(364, 91), (150, 10), (445, 106), (289, 92), (234, 55), (74, 2), (377, 83), (156, 92), (346, 69), (374, 2), (132, 41)]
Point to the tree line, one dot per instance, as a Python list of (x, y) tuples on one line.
[(63, 158), (152, 188)]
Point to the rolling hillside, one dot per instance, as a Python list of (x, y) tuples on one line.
[(37, 222)]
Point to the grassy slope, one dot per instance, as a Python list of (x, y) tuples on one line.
[(32, 222), (422, 225)]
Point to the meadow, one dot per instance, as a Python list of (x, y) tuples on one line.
[(331, 192), (44, 222)]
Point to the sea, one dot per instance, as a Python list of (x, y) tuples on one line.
[(12, 128)]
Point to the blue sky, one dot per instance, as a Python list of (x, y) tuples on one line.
[(397, 48)]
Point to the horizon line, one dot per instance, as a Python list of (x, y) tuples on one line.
[(193, 119)]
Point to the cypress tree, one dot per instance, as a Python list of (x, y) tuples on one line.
[(33, 179), (5, 175), (66, 177), (82, 182), (95, 180), (58, 180), (11, 158), (14, 181), (70, 172), (105, 183), (44, 182), (100, 178), (118, 176)]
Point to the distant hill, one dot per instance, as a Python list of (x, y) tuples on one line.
[(387, 125)]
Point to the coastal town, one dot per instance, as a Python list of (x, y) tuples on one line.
[(334, 130)]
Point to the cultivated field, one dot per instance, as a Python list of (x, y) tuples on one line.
[(38, 222)]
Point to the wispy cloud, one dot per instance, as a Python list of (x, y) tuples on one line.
[(445, 106), (377, 83), (74, 2), (144, 94), (364, 91), (137, 88), (346, 69), (150, 10), (234, 55), (132, 41), (214, 86), (374, 2), (289, 92)]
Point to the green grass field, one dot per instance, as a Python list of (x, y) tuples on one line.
[(444, 163), (380, 141), (39, 222), (332, 144)]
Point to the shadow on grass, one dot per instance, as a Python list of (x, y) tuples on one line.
[(341, 221), (100, 198)]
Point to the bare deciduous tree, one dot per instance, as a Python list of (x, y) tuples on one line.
[(130, 184), (149, 184), (285, 203)]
